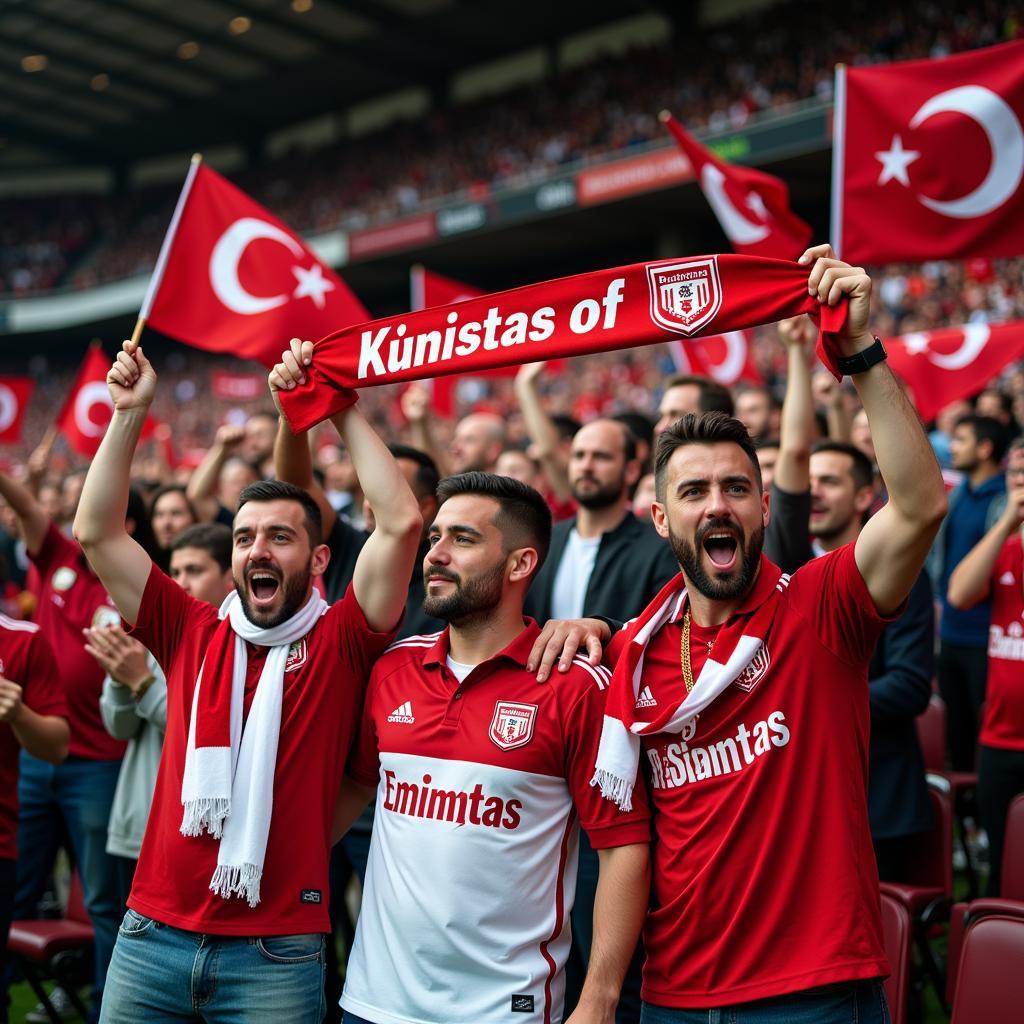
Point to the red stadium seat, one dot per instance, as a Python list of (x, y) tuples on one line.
[(1011, 892), (897, 930), (990, 982), (55, 949), (928, 896), (931, 733)]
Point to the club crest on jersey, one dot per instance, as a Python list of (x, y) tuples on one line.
[(749, 677), (512, 724), (63, 578), (685, 296), (297, 653), (105, 616)]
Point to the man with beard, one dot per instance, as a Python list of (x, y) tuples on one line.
[(481, 774), (744, 693), (604, 561), (262, 704)]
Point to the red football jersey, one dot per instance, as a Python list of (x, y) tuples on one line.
[(1003, 725), (481, 786), (323, 691), (764, 875), (71, 597), (25, 659)]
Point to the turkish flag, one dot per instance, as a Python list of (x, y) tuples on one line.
[(752, 207), (928, 158), (954, 362), (726, 358), (14, 395), (232, 278), (88, 409)]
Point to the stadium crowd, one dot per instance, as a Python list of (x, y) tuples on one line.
[(714, 79), (584, 441)]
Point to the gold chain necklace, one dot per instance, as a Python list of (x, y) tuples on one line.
[(684, 652)]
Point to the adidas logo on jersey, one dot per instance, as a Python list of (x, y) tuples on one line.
[(646, 699), (402, 715), (1007, 579)]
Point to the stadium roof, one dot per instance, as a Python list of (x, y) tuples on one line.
[(113, 81)]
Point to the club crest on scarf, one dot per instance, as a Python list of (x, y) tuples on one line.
[(755, 671), (685, 296), (512, 724)]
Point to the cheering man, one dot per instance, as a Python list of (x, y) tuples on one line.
[(482, 776), (744, 693), (262, 702)]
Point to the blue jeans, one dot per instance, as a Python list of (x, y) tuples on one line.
[(858, 1002), (81, 793), (159, 974)]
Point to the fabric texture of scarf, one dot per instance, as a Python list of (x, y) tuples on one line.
[(227, 789), (739, 640)]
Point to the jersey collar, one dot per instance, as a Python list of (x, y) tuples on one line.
[(517, 651)]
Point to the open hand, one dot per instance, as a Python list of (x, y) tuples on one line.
[(122, 657)]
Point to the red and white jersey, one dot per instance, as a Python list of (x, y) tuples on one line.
[(764, 875), (481, 788), (25, 659), (1003, 725)]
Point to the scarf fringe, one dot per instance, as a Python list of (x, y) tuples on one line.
[(614, 788), (237, 879), (205, 815)]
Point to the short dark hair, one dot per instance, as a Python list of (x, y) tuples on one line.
[(640, 426), (862, 469), (565, 425), (213, 538), (987, 429), (143, 531), (427, 476), (713, 397), (702, 428), (521, 509), (1005, 398), (768, 442), (278, 490)]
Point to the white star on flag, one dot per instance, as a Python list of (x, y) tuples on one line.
[(312, 284), (895, 161), (915, 343)]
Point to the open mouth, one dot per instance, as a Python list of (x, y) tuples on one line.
[(722, 548), (263, 586)]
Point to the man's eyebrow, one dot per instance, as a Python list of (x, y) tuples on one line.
[(735, 478), (456, 528), (273, 528)]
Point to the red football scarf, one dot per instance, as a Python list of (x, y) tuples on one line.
[(623, 307), (736, 647)]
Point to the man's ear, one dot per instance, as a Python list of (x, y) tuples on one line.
[(863, 499), (660, 519), (522, 562), (320, 557)]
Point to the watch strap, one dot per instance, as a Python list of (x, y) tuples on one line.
[(864, 360)]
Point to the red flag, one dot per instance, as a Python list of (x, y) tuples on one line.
[(727, 358), (232, 278), (238, 387), (928, 158), (954, 362), (14, 395), (88, 409), (752, 207)]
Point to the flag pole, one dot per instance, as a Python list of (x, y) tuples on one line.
[(838, 157), (165, 249)]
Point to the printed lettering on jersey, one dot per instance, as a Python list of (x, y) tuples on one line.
[(750, 676), (1007, 645), (678, 763), (685, 296), (297, 654), (646, 699), (63, 578), (512, 724)]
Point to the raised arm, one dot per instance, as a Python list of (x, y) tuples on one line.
[(121, 564), (891, 548), (542, 431), (384, 566), (796, 428), (293, 463), (415, 402), (971, 580), (828, 394), (32, 520), (202, 484)]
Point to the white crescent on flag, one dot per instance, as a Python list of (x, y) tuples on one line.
[(8, 407), (89, 396), (728, 370), (740, 230)]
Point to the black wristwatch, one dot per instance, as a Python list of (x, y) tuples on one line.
[(849, 365)]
